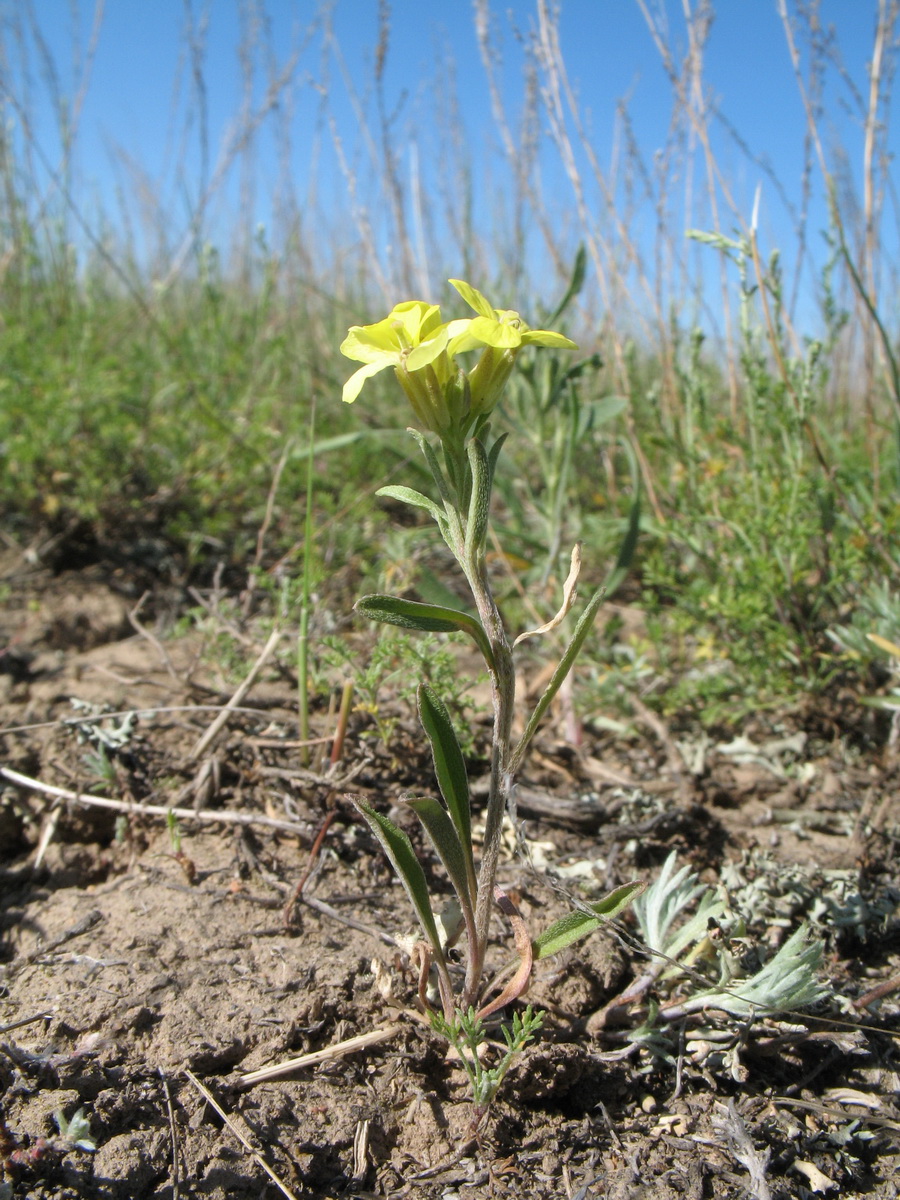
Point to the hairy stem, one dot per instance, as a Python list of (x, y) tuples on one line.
[(503, 690)]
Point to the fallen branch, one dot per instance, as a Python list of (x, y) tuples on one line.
[(278, 1070), (225, 817)]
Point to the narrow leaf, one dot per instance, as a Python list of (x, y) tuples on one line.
[(448, 766), (326, 445), (884, 644), (433, 465), (576, 283), (398, 848), (450, 850), (480, 500), (411, 496), (580, 923), (585, 622), (428, 618), (607, 408), (627, 548), (494, 453), (582, 629)]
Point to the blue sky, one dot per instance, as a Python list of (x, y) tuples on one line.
[(138, 154)]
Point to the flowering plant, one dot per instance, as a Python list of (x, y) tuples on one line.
[(456, 404)]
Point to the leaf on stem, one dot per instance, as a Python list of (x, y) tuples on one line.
[(585, 623), (494, 453), (569, 594), (576, 283), (581, 922), (416, 499), (433, 465), (428, 618), (629, 542), (479, 501), (449, 765)]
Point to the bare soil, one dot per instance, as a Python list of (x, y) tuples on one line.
[(132, 973)]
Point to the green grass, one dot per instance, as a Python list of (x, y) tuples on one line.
[(123, 412), (162, 422)]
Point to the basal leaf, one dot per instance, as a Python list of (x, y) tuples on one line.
[(519, 982), (450, 850), (398, 848)]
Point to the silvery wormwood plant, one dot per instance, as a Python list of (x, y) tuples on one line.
[(452, 408)]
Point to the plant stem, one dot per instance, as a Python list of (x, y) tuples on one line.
[(503, 693)]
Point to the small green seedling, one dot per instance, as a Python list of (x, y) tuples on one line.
[(466, 1034), (76, 1129), (183, 859)]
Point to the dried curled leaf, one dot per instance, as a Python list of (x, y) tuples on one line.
[(569, 594)]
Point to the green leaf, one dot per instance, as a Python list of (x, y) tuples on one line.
[(411, 496), (576, 283), (428, 618), (607, 408), (398, 848), (434, 590), (480, 501), (448, 766), (494, 453), (580, 923), (433, 465), (76, 1130), (326, 445), (451, 852), (629, 542), (582, 629)]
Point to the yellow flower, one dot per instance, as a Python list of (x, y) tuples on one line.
[(502, 333), (389, 342), (422, 351)]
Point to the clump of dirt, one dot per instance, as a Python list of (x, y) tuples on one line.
[(148, 970)]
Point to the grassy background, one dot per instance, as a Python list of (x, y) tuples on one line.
[(163, 426)]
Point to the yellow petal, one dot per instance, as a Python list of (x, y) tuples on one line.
[(546, 337), (427, 352), (368, 343), (474, 298), (499, 334), (354, 384)]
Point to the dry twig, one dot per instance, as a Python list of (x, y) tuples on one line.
[(224, 817), (207, 1095), (338, 1050), (204, 742)]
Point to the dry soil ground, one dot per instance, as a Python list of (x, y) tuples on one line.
[(132, 977)]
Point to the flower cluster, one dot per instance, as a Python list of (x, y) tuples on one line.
[(422, 350)]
